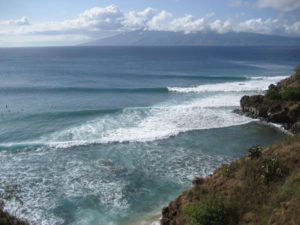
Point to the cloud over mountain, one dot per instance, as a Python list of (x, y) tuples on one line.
[(100, 22)]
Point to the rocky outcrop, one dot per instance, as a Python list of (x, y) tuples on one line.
[(8, 219), (281, 104), (286, 113)]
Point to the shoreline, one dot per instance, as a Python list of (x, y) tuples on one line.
[(278, 126), (156, 219), (231, 186)]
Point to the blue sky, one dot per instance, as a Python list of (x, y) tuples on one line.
[(66, 22)]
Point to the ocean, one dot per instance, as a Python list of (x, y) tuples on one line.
[(110, 135)]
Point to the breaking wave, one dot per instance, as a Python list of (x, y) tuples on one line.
[(213, 109), (254, 84)]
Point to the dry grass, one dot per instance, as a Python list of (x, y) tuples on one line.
[(261, 195)]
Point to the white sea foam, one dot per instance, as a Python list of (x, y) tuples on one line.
[(162, 121), (42, 178), (146, 124), (253, 84), (46, 178), (152, 123)]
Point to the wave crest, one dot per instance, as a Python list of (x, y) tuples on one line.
[(254, 84)]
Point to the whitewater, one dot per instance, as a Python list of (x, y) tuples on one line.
[(161, 121), (108, 136)]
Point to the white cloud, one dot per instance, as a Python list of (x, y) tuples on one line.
[(102, 22), (160, 21), (259, 25), (280, 5), (138, 19), (239, 3), (221, 26), (294, 28), (188, 24), (18, 22), (107, 18)]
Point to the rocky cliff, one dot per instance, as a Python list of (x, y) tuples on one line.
[(8, 219), (280, 104)]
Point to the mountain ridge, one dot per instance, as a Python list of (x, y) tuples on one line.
[(169, 38)]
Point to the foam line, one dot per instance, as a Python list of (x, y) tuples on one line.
[(254, 84)]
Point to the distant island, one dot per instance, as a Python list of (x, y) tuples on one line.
[(166, 38)]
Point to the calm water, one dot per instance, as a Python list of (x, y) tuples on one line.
[(101, 136)]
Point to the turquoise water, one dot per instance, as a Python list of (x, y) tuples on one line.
[(111, 135)]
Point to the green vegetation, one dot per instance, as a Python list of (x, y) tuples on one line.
[(260, 188), (212, 210), (287, 94), (290, 94), (290, 189), (272, 170), (255, 151), (297, 71), (289, 90), (273, 94)]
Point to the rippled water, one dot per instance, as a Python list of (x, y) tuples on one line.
[(110, 135)]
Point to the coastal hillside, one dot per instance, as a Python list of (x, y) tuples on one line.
[(258, 189), (280, 104), (261, 188)]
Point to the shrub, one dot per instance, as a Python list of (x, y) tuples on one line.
[(272, 170), (229, 171), (297, 71), (290, 94), (212, 210), (255, 151), (273, 94)]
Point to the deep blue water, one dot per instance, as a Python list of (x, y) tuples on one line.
[(109, 135)]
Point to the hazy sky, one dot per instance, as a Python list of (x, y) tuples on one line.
[(68, 22)]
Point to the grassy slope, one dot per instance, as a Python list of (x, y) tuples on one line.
[(243, 186)]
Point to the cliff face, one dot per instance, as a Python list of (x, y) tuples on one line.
[(260, 188), (281, 104)]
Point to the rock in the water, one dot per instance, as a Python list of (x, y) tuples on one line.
[(279, 105)]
